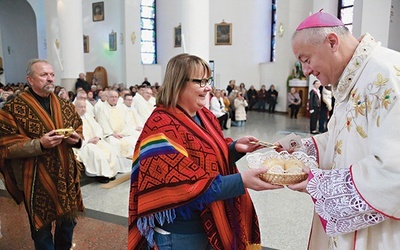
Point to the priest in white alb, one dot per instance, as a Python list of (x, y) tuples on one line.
[(98, 156), (144, 102), (82, 95), (118, 130), (102, 99), (134, 118)]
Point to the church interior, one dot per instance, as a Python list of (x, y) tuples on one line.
[(104, 40)]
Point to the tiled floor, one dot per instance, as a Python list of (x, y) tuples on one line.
[(284, 215)]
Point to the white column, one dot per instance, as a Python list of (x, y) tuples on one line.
[(372, 17), (70, 50), (195, 27)]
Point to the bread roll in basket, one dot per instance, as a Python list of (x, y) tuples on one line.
[(283, 168)]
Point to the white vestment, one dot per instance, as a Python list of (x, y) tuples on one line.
[(357, 194), (89, 108), (135, 120), (113, 120), (143, 107), (100, 159), (327, 98), (152, 101), (97, 107), (120, 100)]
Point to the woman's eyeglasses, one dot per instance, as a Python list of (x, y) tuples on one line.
[(202, 82)]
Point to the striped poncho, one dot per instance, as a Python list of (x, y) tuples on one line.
[(46, 180)]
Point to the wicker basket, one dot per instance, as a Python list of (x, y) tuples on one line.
[(283, 179), (256, 160)]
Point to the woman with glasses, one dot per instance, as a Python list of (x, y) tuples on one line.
[(185, 187)]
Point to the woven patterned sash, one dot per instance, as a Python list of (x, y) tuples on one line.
[(50, 181), (175, 161)]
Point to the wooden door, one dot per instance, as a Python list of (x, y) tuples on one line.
[(100, 74)]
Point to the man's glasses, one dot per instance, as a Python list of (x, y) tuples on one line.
[(202, 82)]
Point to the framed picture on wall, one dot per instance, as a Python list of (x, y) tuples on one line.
[(85, 44), (112, 40), (178, 36), (223, 33), (98, 11)]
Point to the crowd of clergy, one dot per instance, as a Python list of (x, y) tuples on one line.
[(111, 128)]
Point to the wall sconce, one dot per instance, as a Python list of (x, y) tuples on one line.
[(133, 37), (281, 30)]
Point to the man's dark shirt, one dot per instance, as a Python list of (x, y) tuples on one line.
[(83, 84)]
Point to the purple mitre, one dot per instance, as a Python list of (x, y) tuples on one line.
[(320, 19)]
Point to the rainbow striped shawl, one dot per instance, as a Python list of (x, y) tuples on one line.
[(175, 161)]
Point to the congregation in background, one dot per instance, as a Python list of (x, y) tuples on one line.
[(112, 117), (231, 105)]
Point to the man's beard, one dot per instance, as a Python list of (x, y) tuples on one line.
[(49, 87)]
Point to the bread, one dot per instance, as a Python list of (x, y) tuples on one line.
[(276, 169), (275, 166), (280, 166), (294, 166)]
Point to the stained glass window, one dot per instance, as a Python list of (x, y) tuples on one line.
[(273, 30), (148, 32)]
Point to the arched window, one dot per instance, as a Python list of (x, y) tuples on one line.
[(345, 13), (148, 44)]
